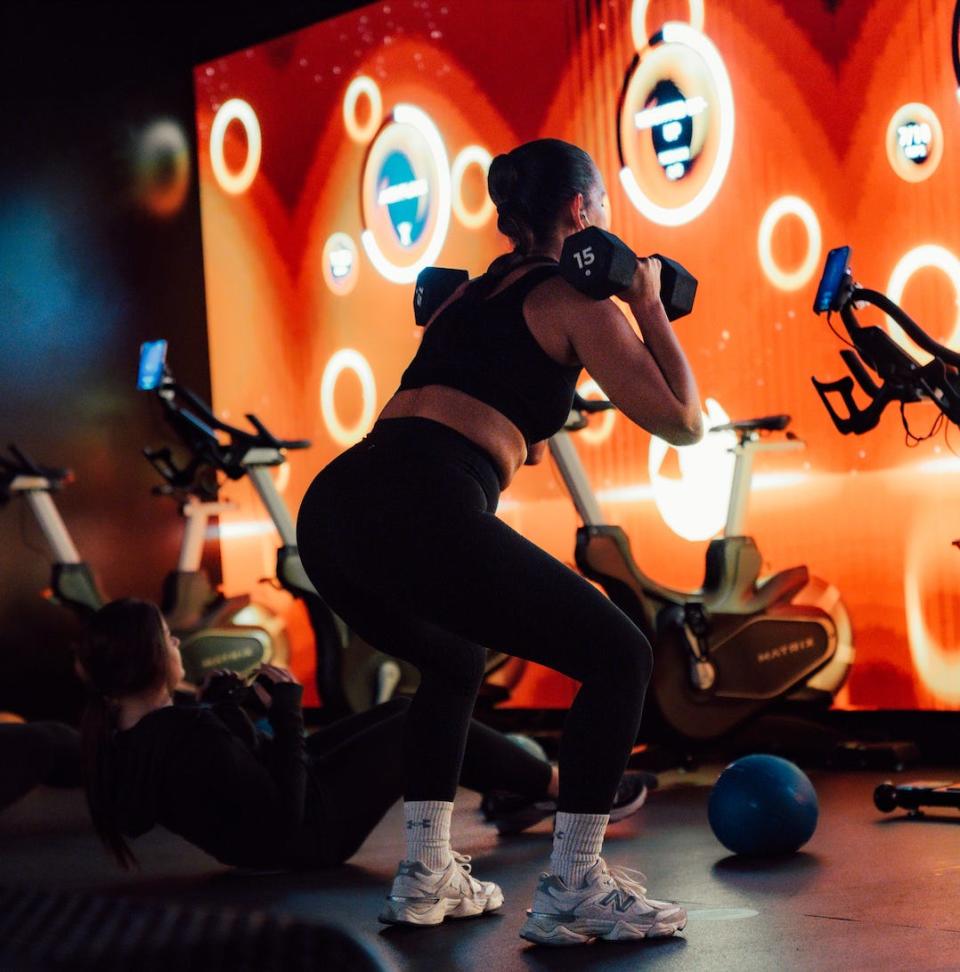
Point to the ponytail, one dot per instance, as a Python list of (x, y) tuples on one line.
[(97, 729), (123, 653)]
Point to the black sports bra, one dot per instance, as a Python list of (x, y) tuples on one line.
[(483, 347)]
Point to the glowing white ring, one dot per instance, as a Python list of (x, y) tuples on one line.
[(598, 434), (677, 33), (235, 110), (163, 135), (638, 21), (789, 206), (928, 255), (471, 155), (415, 117), (358, 86), (346, 359)]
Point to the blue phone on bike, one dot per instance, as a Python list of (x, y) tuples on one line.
[(828, 293), (153, 359)]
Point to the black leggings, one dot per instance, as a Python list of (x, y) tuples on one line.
[(358, 762), (36, 753), (400, 538)]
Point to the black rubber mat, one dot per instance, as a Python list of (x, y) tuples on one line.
[(45, 930)]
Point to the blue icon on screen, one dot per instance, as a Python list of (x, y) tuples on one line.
[(406, 197)]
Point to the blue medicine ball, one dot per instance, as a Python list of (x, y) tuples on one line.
[(763, 806)]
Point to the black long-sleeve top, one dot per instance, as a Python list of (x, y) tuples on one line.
[(205, 773)]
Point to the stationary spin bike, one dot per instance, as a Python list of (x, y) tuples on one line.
[(351, 675), (886, 373), (214, 631), (740, 643), (72, 582)]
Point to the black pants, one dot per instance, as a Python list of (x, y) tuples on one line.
[(358, 764), (400, 538), (37, 752)]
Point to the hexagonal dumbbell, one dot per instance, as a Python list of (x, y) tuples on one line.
[(434, 286), (600, 264)]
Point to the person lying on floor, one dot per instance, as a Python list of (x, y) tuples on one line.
[(37, 753), (249, 799)]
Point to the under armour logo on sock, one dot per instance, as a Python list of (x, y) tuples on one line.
[(559, 834), (413, 824)]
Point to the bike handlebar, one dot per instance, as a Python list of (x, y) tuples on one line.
[(22, 465), (197, 427), (902, 378)]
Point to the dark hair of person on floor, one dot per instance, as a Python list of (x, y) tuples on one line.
[(126, 651)]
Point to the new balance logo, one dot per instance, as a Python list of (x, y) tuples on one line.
[(413, 824), (618, 901)]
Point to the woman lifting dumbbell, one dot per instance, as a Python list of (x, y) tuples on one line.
[(400, 538)]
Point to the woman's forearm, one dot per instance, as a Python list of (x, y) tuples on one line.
[(287, 751), (661, 341)]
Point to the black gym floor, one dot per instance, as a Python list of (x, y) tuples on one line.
[(868, 892)]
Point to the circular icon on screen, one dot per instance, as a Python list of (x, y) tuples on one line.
[(675, 125), (914, 142), (162, 167), (340, 263), (405, 195)]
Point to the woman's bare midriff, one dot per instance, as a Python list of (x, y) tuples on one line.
[(479, 422)]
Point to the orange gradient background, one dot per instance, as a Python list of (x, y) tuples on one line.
[(813, 95)]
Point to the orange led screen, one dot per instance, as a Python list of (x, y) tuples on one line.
[(805, 128)]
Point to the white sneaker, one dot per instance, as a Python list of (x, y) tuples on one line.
[(612, 904), (420, 896)]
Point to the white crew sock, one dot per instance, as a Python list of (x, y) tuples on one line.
[(427, 826), (577, 841)]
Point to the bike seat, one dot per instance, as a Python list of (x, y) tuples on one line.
[(730, 580), (769, 423)]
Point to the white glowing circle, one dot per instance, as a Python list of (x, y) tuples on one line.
[(471, 155), (362, 85), (792, 206), (928, 255), (417, 118), (236, 109), (937, 666), (677, 33), (638, 20), (347, 359), (598, 432), (162, 144), (695, 505)]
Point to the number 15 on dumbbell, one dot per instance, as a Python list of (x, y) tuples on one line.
[(593, 261), (599, 264)]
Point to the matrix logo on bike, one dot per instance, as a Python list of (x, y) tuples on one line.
[(675, 125), (405, 195), (785, 650)]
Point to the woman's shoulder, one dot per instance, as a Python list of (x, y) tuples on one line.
[(169, 723)]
